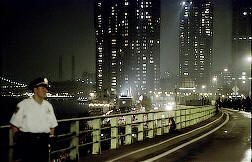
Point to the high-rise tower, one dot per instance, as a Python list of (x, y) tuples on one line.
[(241, 45), (195, 43), (241, 35), (127, 46)]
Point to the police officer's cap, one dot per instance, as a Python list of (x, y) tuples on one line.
[(39, 82)]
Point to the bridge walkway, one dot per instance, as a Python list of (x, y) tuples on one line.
[(109, 155)]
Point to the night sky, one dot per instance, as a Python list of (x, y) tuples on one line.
[(36, 32)]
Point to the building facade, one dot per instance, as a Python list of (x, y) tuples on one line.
[(241, 35), (127, 47), (195, 43), (241, 44)]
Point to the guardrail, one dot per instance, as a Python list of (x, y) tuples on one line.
[(90, 135)]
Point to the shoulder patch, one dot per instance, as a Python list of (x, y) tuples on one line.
[(48, 111)]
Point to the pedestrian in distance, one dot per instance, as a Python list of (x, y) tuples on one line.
[(172, 124), (32, 124)]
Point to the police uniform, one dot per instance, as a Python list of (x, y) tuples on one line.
[(34, 121), (34, 117)]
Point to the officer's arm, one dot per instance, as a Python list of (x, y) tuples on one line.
[(14, 129), (52, 130)]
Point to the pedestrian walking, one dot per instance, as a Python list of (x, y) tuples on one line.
[(33, 123)]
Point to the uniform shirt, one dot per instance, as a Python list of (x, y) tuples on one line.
[(34, 117)]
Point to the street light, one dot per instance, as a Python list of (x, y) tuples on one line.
[(249, 59)]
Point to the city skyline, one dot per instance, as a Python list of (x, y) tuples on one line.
[(37, 33)]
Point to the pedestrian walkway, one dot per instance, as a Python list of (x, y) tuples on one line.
[(126, 149)]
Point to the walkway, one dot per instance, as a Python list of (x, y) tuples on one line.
[(126, 149)]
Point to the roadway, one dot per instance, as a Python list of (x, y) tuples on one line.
[(229, 141)]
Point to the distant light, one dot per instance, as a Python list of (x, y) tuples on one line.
[(168, 107), (225, 69), (245, 13), (193, 88), (249, 59)]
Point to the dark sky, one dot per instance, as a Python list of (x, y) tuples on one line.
[(36, 32)]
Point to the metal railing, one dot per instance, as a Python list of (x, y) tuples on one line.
[(90, 135)]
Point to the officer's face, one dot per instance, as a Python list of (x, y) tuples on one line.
[(40, 91)]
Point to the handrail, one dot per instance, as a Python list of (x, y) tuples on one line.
[(90, 135)]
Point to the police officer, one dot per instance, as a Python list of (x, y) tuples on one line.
[(33, 123)]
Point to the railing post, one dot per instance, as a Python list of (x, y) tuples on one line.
[(166, 122), (178, 118), (114, 133), (11, 143), (183, 118), (96, 123), (140, 127), (128, 129), (188, 117), (159, 123), (150, 125), (74, 128)]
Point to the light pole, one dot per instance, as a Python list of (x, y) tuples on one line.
[(215, 86)]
